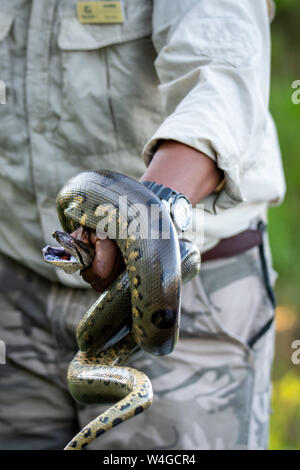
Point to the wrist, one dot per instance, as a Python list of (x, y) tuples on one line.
[(184, 169)]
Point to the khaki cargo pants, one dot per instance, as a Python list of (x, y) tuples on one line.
[(212, 392)]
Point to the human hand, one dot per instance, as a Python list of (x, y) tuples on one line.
[(107, 262)]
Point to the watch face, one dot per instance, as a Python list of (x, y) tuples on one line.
[(181, 213)]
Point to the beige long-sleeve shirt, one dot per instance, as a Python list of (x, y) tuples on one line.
[(93, 96)]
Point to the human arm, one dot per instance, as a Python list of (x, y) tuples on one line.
[(213, 67), (175, 165)]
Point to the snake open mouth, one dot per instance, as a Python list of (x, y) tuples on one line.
[(52, 253)]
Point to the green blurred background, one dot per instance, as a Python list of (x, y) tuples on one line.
[(284, 226)]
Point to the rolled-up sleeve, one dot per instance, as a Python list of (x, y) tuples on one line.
[(213, 65)]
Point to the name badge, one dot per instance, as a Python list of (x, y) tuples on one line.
[(100, 12)]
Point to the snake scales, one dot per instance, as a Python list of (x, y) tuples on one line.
[(140, 310)]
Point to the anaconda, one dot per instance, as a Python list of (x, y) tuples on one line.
[(140, 311)]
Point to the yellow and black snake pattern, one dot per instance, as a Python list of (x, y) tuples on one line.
[(140, 310)]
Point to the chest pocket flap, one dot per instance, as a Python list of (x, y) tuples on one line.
[(137, 24)]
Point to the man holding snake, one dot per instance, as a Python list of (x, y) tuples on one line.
[(185, 85)]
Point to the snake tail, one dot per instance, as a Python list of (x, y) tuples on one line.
[(132, 386)]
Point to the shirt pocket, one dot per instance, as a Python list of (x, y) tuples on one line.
[(107, 75)]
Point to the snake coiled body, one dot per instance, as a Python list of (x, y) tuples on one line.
[(140, 310)]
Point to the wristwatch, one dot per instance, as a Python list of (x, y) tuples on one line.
[(178, 205)]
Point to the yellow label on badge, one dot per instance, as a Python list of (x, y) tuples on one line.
[(100, 12)]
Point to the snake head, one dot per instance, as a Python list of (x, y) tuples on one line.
[(73, 255)]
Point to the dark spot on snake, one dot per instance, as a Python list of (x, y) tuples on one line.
[(164, 319), (99, 432), (138, 410), (84, 445), (123, 407), (74, 444), (139, 312), (117, 421), (137, 280), (87, 433), (91, 381), (138, 253), (104, 420)]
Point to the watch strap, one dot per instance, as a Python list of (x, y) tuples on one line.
[(160, 190)]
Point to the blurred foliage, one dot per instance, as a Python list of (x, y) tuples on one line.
[(284, 226), (285, 429)]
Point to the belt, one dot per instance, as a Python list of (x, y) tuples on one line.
[(235, 245), (238, 244)]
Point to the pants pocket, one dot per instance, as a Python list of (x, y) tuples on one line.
[(232, 297), (266, 268)]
